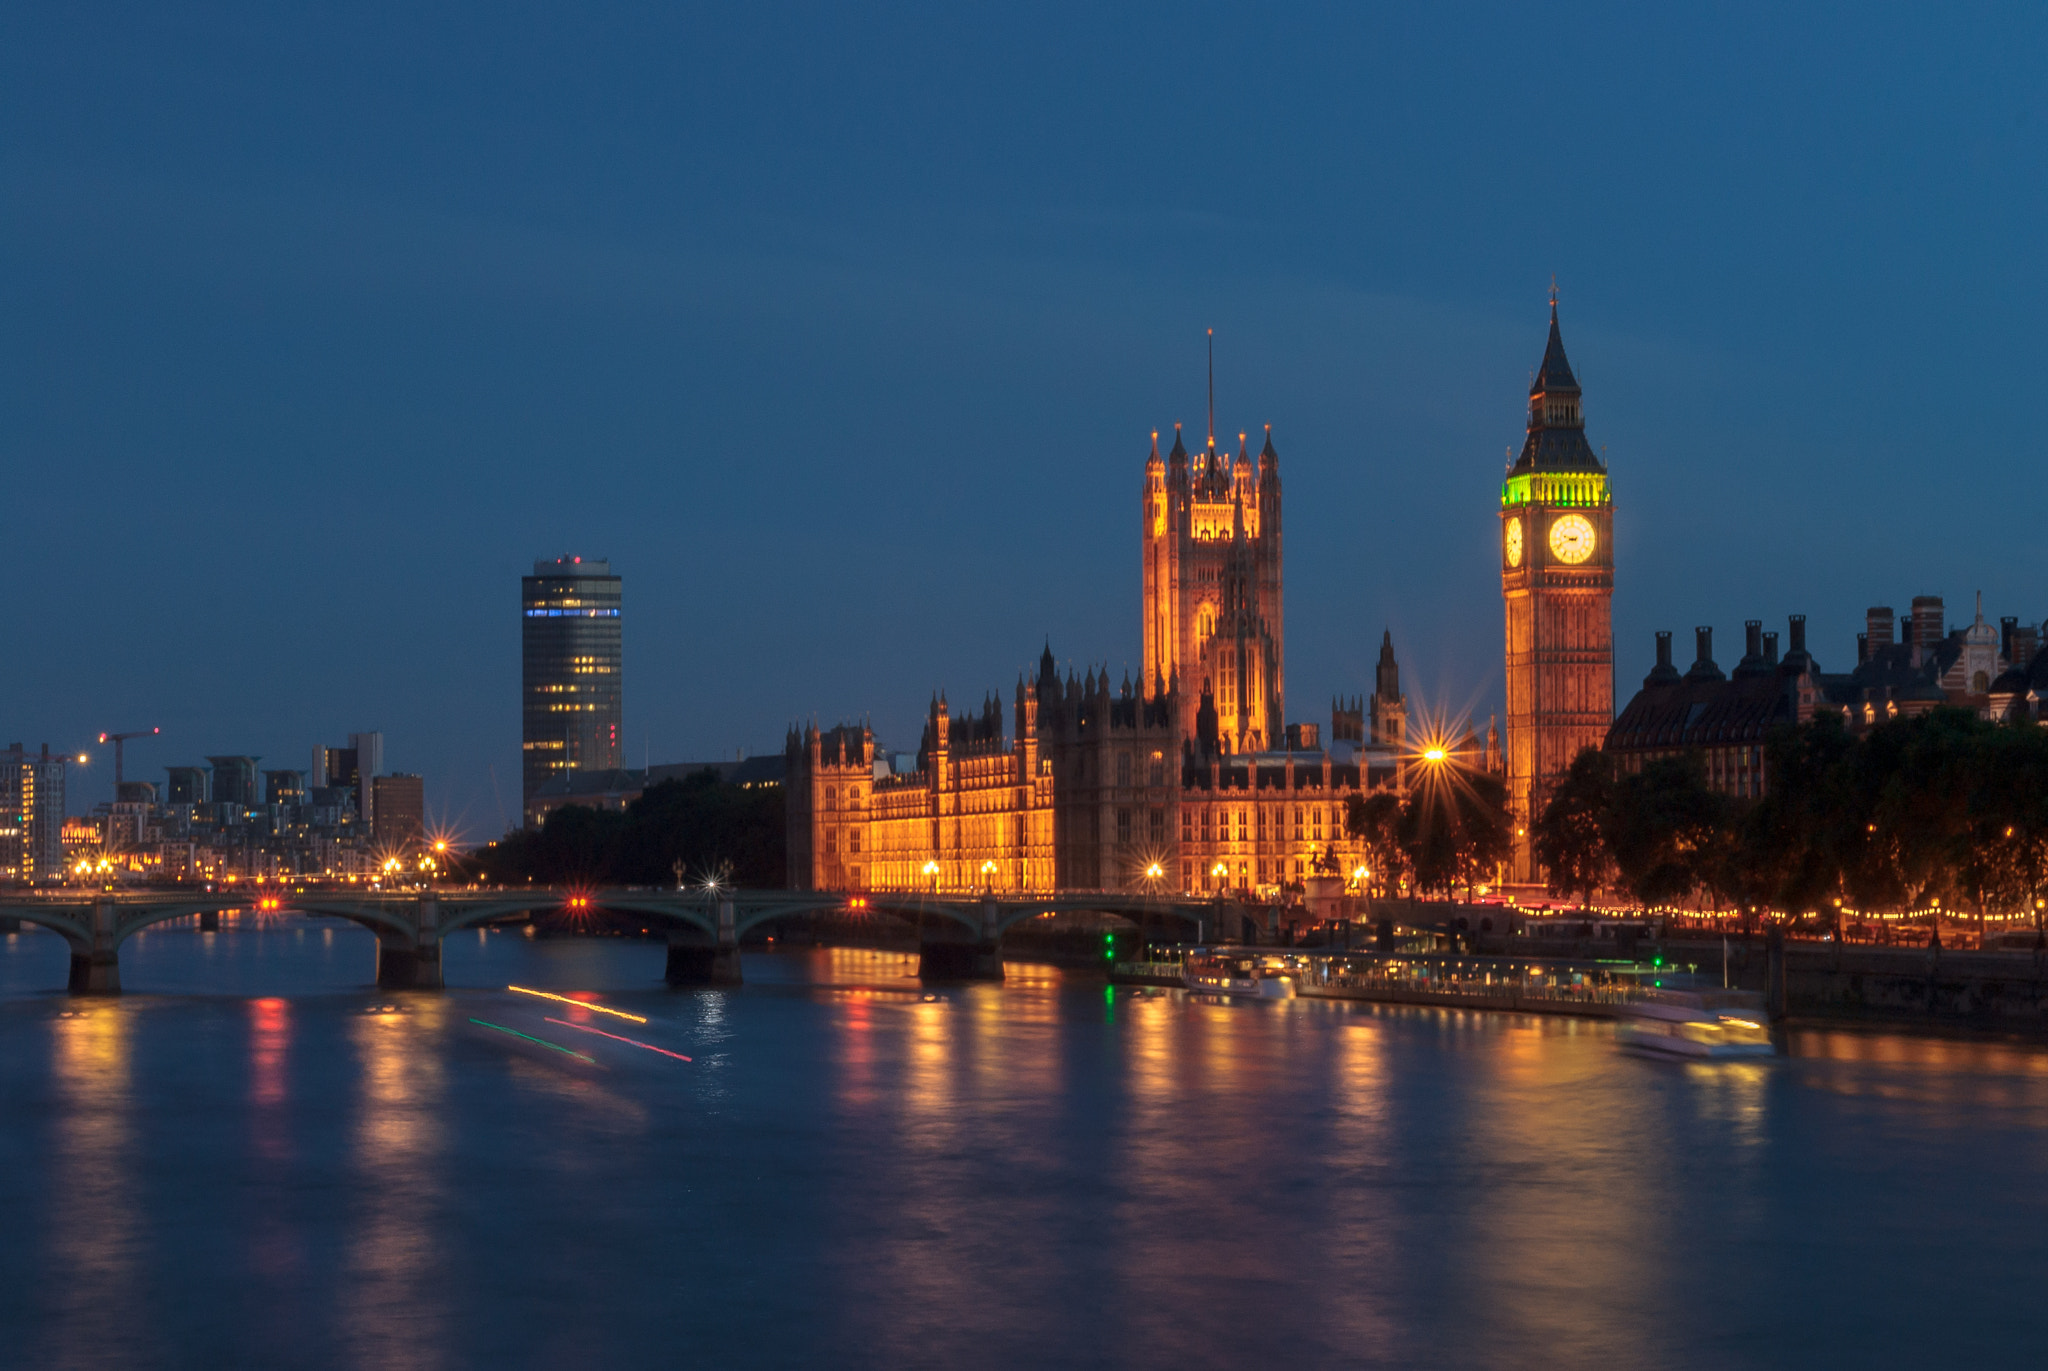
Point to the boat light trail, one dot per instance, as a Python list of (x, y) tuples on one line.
[(580, 1004), (530, 1038), (586, 1028)]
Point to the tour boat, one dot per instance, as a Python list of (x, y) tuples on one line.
[(1704, 1023), (1221, 975)]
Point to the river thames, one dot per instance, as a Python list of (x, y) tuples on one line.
[(254, 1158)]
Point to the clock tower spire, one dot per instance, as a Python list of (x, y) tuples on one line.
[(1557, 585)]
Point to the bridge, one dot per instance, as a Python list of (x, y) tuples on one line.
[(959, 936)]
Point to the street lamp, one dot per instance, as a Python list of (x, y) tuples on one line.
[(931, 871), (988, 875)]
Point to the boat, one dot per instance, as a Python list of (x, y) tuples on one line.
[(1222, 974), (1706, 1023)]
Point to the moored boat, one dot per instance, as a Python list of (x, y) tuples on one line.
[(1248, 976), (1699, 1023)]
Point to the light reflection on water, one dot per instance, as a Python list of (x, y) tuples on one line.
[(858, 1171)]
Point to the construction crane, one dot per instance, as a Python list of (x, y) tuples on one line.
[(119, 738)]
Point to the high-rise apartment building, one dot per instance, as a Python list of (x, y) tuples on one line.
[(234, 780), (354, 766), (401, 810), (31, 815), (570, 664), (1557, 586)]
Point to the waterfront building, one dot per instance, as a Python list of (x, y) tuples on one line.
[(31, 815), (1188, 779), (1725, 719), (186, 785), (570, 673), (234, 781), (1557, 589), (1212, 578), (401, 809)]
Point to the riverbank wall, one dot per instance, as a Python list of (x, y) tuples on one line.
[(1998, 991)]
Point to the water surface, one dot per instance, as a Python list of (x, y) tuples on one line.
[(255, 1158)]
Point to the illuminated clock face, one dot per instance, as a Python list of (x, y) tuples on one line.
[(1572, 539), (1514, 537)]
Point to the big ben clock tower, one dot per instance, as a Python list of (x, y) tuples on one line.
[(1557, 581)]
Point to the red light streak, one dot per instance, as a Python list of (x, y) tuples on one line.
[(586, 1028)]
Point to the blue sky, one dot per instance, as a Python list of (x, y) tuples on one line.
[(841, 331)]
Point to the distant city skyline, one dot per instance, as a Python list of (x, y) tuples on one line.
[(843, 339)]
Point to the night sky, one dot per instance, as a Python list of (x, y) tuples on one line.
[(842, 334)]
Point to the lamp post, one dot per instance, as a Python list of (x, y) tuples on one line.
[(931, 872)]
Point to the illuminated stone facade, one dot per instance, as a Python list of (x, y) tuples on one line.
[(1188, 780), (1212, 588), (1557, 585)]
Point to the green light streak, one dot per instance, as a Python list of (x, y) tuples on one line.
[(530, 1038)]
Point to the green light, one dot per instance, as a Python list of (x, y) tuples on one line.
[(1567, 490), (530, 1038)]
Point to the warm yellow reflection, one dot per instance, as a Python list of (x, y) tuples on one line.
[(94, 1238), (391, 1306)]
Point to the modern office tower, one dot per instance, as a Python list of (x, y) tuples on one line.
[(187, 785), (570, 662), (31, 815), (351, 766), (401, 808), (284, 787), (234, 781)]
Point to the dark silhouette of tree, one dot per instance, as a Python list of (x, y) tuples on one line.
[(696, 823), (1454, 827), (1570, 837), (1375, 820), (1667, 830)]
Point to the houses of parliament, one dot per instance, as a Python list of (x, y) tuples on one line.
[(1190, 778)]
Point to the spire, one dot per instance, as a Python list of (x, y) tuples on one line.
[(1557, 422), (1179, 451), (1266, 453), (1556, 373), (1155, 448), (1212, 388)]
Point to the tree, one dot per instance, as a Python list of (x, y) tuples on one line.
[(697, 823), (1454, 827), (1569, 837), (1666, 830), (1375, 820)]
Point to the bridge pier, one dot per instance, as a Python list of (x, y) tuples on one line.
[(96, 970), (695, 959), (948, 951), (410, 959)]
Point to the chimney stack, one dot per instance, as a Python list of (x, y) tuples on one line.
[(1929, 626), (2005, 627), (1798, 626), (1877, 623), (1703, 640), (1664, 650), (1770, 649)]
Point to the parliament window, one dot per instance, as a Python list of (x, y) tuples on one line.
[(1123, 817), (1123, 768), (1158, 826)]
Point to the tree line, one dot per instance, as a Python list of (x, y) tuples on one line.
[(694, 826), (1943, 808), (1450, 829)]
